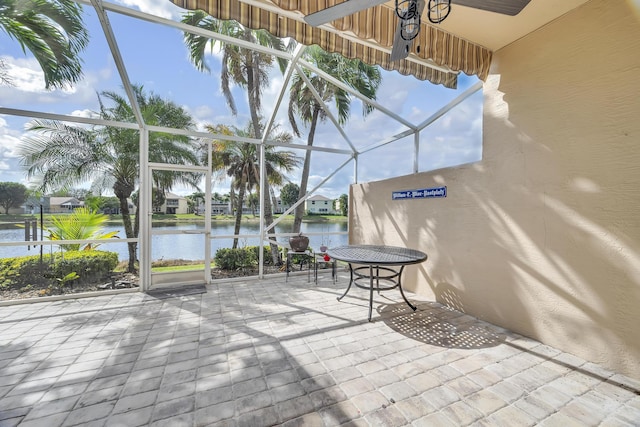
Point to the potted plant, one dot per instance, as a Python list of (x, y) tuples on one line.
[(299, 243)]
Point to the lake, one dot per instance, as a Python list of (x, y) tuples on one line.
[(187, 246)]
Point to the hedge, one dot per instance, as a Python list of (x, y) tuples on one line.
[(240, 258), (91, 266)]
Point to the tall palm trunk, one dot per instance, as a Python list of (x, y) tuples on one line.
[(232, 199), (274, 201), (239, 203), (268, 220), (304, 180), (128, 230)]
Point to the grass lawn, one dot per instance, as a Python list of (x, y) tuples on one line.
[(178, 268)]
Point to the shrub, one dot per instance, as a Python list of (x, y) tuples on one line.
[(266, 250), (90, 266), (235, 259)]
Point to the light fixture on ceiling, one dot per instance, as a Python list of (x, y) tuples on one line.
[(409, 11), (409, 14), (438, 10)]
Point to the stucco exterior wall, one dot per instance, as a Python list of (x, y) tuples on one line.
[(543, 235)]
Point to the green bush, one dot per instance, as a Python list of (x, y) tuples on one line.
[(235, 259), (266, 250), (91, 266)]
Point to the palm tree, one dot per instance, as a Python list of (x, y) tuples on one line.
[(244, 67), (362, 77), (82, 224), (62, 155), (241, 161), (196, 200), (53, 31)]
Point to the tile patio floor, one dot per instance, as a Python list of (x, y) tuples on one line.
[(258, 353)]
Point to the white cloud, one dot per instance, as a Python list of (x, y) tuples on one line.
[(9, 140), (25, 73), (163, 9), (28, 89), (8, 146), (202, 115), (85, 113), (270, 97)]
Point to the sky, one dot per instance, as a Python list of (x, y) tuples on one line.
[(155, 56)]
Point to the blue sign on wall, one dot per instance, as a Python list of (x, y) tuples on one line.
[(419, 194)]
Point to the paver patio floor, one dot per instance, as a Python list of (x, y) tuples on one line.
[(259, 353)]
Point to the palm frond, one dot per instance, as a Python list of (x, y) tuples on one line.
[(53, 32)]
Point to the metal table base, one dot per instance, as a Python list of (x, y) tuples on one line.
[(375, 263)]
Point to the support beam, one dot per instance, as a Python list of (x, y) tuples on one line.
[(207, 215), (306, 196), (117, 58), (287, 76), (356, 94), (145, 211), (444, 110), (188, 28), (66, 118), (388, 140)]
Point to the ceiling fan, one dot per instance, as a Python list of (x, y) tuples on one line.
[(410, 13)]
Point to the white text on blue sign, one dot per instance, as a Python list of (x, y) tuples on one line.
[(423, 193)]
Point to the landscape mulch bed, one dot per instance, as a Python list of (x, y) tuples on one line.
[(120, 281)]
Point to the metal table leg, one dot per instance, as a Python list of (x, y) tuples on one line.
[(350, 282), (371, 289)]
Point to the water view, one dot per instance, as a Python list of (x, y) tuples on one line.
[(184, 245)]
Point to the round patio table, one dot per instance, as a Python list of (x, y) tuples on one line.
[(375, 263)]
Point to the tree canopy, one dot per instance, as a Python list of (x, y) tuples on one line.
[(241, 162), (289, 193), (61, 155), (344, 204), (12, 195)]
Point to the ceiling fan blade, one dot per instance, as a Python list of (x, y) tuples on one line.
[(402, 45), (400, 49), (505, 7), (339, 10)]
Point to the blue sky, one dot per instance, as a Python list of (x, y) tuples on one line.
[(155, 56)]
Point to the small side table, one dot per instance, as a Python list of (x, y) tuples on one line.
[(319, 258), (307, 257)]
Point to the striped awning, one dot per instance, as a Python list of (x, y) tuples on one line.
[(367, 35)]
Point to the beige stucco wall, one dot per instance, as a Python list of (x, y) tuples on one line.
[(543, 235)]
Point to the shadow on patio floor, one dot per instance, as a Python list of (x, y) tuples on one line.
[(439, 326)]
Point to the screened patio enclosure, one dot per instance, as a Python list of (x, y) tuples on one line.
[(540, 237), (348, 153)]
